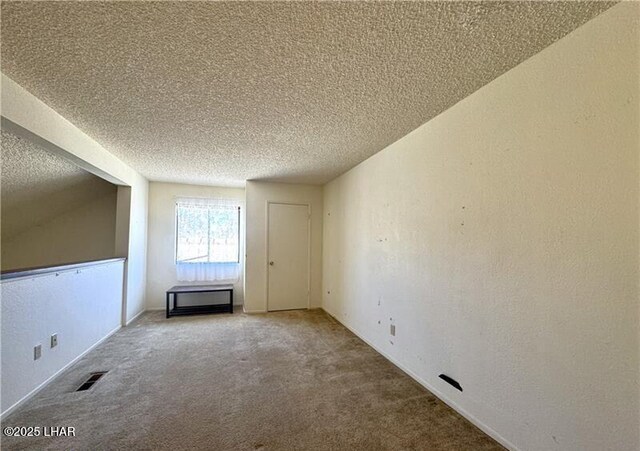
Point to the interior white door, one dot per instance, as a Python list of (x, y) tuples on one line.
[(288, 257)]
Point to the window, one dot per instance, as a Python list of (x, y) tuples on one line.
[(207, 231)]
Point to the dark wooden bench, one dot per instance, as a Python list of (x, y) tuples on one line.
[(198, 309)]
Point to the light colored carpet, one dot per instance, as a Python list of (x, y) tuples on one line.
[(278, 381)]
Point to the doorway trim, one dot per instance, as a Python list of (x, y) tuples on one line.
[(266, 261)]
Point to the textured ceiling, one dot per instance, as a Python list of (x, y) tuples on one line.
[(220, 92), (37, 186)]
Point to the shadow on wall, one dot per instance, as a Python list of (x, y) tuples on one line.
[(53, 212)]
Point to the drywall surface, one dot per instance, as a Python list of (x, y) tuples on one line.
[(82, 306), (84, 233), (258, 195), (501, 240), (27, 113), (162, 237), (136, 264)]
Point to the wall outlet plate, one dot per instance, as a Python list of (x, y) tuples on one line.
[(37, 352), (392, 330), (54, 340)]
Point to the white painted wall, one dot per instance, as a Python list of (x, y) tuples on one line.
[(82, 306), (24, 113), (162, 239), (82, 234), (501, 239), (136, 264), (258, 194)]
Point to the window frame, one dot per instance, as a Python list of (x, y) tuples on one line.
[(177, 235)]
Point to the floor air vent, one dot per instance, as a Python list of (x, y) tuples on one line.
[(91, 380)]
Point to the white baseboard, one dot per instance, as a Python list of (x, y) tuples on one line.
[(475, 421), (253, 311), (136, 316), (52, 377)]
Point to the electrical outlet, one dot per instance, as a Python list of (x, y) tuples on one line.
[(54, 340), (37, 352), (392, 330)]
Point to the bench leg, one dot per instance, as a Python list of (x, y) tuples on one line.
[(168, 315), (231, 301)]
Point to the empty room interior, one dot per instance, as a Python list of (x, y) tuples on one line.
[(320, 225)]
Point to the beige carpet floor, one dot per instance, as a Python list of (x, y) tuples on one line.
[(280, 381)]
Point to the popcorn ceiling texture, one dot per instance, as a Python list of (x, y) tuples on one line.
[(217, 93), (37, 185)]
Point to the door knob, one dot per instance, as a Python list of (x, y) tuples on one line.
[(270, 263)]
